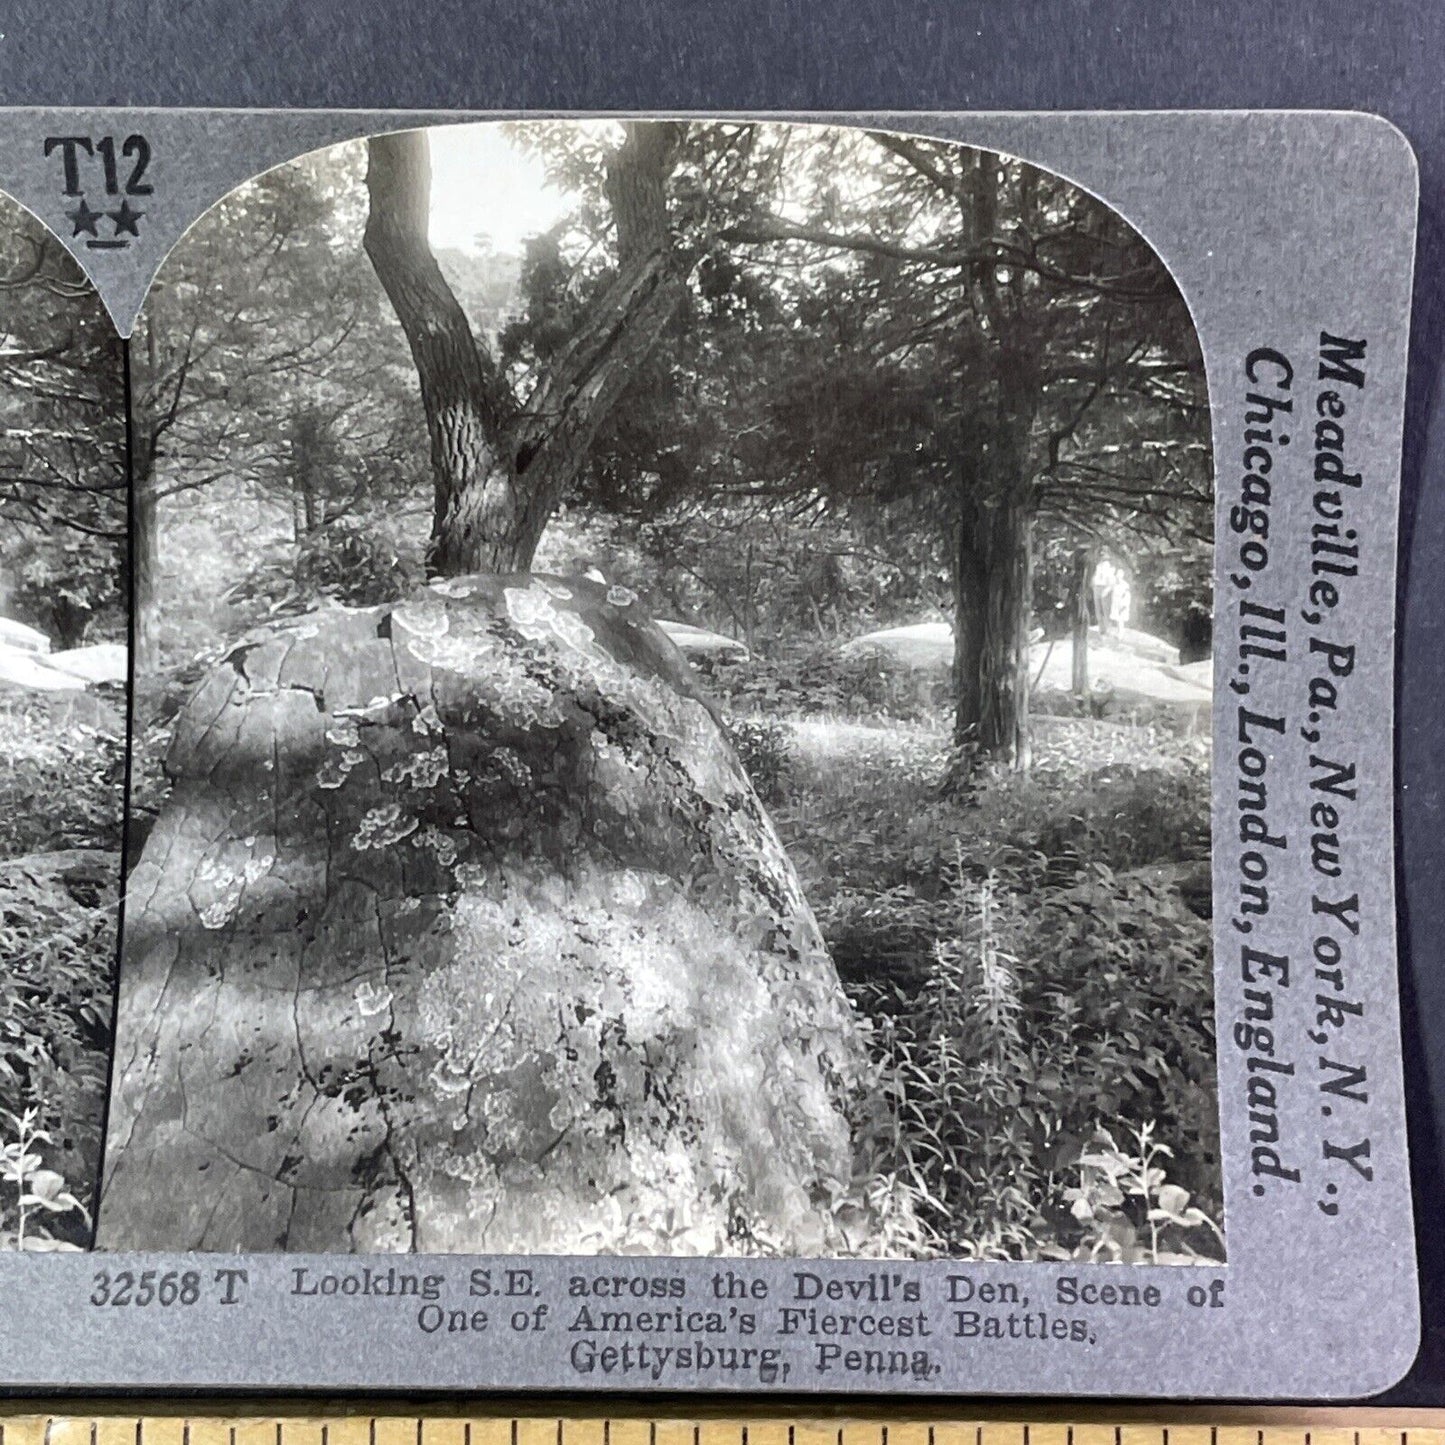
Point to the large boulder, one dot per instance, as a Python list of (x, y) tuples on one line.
[(462, 930), (927, 646), (20, 667), (708, 646), (18, 636), (98, 662)]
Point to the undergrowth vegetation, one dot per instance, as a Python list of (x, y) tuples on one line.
[(1034, 961), (60, 822)]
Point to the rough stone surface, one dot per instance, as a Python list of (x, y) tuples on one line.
[(462, 930)]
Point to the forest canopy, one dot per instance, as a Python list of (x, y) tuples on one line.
[(898, 367)]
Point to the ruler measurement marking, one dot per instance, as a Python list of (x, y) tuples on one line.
[(453, 1426)]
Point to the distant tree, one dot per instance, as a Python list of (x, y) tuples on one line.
[(264, 360)]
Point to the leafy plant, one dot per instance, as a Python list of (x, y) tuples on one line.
[(346, 561), (763, 748), (1130, 1212), (956, 1069), (38, 1192), (60, 812), (55, 1004)]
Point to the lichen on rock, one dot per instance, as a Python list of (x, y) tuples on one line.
[(463, 930)]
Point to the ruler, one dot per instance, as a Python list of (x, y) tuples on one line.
[(195, 1423)]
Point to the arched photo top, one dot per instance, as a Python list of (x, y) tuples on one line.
[(475, 221)]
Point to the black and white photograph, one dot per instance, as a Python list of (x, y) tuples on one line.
[(63, 666), (672, 710)]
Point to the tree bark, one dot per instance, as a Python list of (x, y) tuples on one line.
[(1081, 585), (501, 467), (993, 571), (145, 563), (993, 568), (993, 575), (464, 396)]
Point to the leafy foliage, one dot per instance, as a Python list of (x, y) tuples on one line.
[(59, 786), (60, 820), (273, 400), (1033, 964), (1130, 1211), (1034, 1024), (55, 1008), (38, 1192), (344, 562), (762, 745)]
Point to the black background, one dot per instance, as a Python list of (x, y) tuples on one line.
[(1386, 56)]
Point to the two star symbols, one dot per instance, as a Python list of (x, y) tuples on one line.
[(124, 219)]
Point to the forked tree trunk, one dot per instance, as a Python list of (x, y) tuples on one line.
[(501, 467), (465, 398)]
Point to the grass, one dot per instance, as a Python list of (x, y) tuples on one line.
[(862, 804)]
